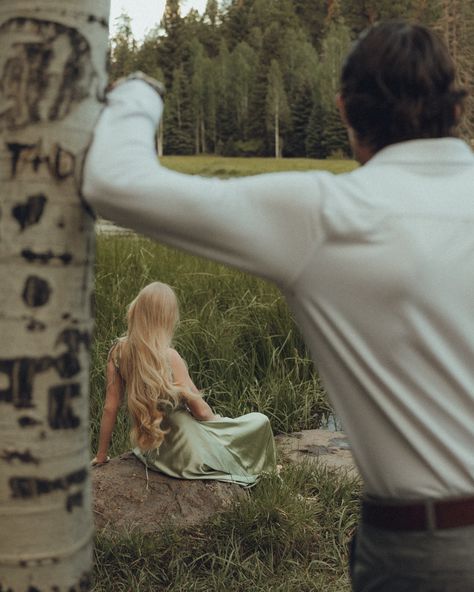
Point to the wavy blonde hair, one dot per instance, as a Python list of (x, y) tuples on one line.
[(144, 366)]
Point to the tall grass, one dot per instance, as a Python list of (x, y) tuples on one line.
[(289, 535)]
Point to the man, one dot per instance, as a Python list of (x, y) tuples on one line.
[(377, 267)]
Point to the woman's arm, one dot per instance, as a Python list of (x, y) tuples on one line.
[(263, 224), (113, 398), (196, 404)]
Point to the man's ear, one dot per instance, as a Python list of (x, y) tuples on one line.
[(458, 113), (342, 108)]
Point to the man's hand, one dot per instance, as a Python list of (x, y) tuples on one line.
[(156, 85)]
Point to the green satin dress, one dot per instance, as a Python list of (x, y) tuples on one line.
[(233, 450)]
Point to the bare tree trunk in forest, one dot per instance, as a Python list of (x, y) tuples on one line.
[(52, 76), (203, 136), (277, 131), (197, 139)]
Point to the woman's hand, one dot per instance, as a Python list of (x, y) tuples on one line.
[(99, 460)]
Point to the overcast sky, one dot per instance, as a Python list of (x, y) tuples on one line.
[(145, 14)]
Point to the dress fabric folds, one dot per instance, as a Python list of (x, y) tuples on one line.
[(231, 450)]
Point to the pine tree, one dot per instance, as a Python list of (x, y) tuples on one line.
[(257, 126), (314, 131), (334, 140), (178, 125), (301, 110), (173, 41), (147, 56), (198, 95), (211, 22), (312, 17), (123, 49), (242, 77), (335, 45)]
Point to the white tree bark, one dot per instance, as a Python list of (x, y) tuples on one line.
[(52, 76), (276, 125)]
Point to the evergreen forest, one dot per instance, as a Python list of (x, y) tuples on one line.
[(259, 77)]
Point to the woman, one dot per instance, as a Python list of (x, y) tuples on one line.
[(173, 429)]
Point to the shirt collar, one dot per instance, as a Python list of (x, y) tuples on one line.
[(442, 150)]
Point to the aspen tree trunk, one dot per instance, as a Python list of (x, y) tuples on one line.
[(203, 135), (197, 138), (52, 77), (276, 125)]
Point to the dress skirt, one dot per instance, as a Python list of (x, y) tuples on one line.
[(232, 450)]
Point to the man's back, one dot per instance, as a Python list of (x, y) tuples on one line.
[(385, 300)]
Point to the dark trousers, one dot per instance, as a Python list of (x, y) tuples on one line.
[(416, 561)]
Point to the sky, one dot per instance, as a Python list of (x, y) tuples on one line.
[(145, 14)]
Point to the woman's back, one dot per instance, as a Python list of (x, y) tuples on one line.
[(174, 430)]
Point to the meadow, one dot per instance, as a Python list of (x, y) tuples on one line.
[(246, 354)]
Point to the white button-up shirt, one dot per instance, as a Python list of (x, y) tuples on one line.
[(377, 265)]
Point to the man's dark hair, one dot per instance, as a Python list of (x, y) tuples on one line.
[(399, 83)]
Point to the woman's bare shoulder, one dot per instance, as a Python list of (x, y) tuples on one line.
[(175, 360), (172, 353)]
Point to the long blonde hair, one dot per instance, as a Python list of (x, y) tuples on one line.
[(143, 362)]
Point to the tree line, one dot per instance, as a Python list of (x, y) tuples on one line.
[(259, 77)]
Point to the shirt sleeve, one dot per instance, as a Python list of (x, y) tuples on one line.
[(264, 224)]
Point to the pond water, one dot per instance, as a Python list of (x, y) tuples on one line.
[(331, 423)]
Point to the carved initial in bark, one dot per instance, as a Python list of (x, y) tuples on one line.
[(44, 74)]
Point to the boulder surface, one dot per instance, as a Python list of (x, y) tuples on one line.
[(127, 497)]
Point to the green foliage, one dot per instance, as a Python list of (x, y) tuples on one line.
[(221, 68), (335, 46), (314, 132), (122, 58), (334, 139), (178, 123), (301, 107), (250, 147)]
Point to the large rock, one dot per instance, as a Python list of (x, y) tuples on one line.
[(125, 499)]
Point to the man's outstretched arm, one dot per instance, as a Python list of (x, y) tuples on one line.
[(264, 224)]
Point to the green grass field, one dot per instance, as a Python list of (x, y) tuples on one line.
[(245, 352), (237, 167)]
